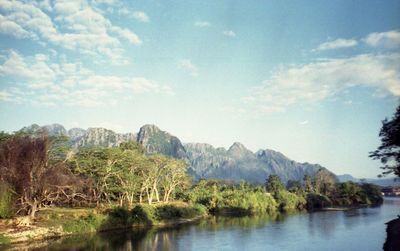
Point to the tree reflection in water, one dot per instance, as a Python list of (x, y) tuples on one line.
[(344, 230)]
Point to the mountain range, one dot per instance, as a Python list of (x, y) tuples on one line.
[(385, 182), (205, 161)]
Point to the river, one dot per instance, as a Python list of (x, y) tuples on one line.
[(358, 229)]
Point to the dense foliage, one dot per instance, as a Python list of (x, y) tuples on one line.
[(389, 150), (40, 171), (37, 172)]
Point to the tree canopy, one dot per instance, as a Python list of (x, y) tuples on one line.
[(389, 150)]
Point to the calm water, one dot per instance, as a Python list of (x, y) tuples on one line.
[(359, 229)]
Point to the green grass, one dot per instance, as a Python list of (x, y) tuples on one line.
[(170, 212), (6, 201), (121, 217), (4, 240), (91, 223), (85, 220)]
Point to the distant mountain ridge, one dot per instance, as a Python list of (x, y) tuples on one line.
[(205, 161), (385, 182), (239, 163), (155, 140)]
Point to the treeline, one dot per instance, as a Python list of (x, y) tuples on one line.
[(316, 192), (38, 171)]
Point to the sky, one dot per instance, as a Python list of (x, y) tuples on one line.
[(311, 79)]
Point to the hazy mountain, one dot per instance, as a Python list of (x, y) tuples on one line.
[(347, 177), (205, 161), (378, 181), (156, 141), (76, 133), (51, 130), (55, 130), (79, 137), (32, 129), (239, 163), (102, 137)]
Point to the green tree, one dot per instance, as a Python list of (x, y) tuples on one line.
[(308, 186), (59, 149), (133, 146), (151, 177), (324, 182), (103, 166), (4, 136), (274, 185), (348, 193), (294, 186), (174, 174), (389, 150)]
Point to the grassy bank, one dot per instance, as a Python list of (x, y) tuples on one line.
[(207, 196), (56, 222)]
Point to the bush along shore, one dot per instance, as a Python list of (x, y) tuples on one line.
[(57, 222), (206, 197), (47, 190)]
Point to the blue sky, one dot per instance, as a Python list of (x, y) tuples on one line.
[(311, 79)]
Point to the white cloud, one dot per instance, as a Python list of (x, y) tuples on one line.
[(10, 27), (68, 7), (50, 84), (305, 122), (76, 26), (314, 82), (388, 39), (108, 2), (16, 66), (138, 15), (44, 5), (229, 33), (202, 24), (187, 65), (141, 16), (337, 44), (127, 34), (5, 96), (29, 17)]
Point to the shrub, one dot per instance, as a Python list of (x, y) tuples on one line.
[(200, 209), (95, 220), (91, 223), (169, 212), (4, 240), (143, 214), (6, 202), (372, 194), (350, 194), (229, 199), (317, 201), (119, 215), (290, 201)]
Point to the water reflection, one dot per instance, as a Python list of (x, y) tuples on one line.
[(339, 230), (323, 223)]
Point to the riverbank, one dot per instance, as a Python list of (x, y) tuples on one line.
[(338, 208), (58, 222), (54, 223), (362, 228), (392, 242)]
